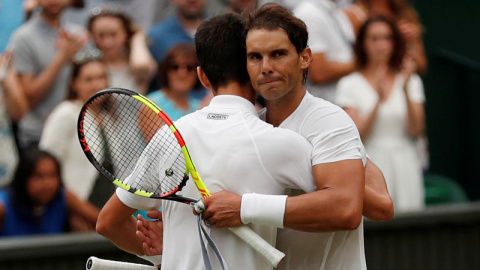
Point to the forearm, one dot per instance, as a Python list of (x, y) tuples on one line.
[(416, 116), (323, 71), (36, 88), (417, 51), (377, 203), (15, 100)]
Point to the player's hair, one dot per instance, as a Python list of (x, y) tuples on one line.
[(399, 49), (272, 16), (221, 52)]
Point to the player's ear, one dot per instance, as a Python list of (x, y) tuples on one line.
[(203, 78), (306, 58)]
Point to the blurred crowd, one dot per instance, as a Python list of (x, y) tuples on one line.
[(369, 59)]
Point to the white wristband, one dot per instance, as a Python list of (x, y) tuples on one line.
[(155, 259), (263, 209)]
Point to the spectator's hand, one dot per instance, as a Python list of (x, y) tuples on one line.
[(151, 233), (408, 68), (6, 70), (411, 32), (79, 224), (222, 209), (69, 44)]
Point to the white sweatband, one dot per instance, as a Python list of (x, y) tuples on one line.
[(155, 259), (263, 209), (137, 202)]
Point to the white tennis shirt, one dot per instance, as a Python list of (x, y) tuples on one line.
[(334, 137), (236, 151)]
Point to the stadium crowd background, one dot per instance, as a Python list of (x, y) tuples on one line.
[(448, 148)]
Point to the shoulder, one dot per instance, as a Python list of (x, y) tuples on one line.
[(325, 115), (66, 109)]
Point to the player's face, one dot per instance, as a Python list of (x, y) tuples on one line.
[(378, 42), (274, 66), (43, 184), (110, 36), (91, 79), (182, 74)]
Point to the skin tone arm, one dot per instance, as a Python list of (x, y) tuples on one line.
[(415, 48), (143, 65), (15, 100), (117, 224), (416, 111), (86, 210), (37, 87), (323, 71)]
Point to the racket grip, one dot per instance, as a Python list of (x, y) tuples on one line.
[(94, 263), (259, 244)]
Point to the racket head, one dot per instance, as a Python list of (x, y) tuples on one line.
[(127, 137)]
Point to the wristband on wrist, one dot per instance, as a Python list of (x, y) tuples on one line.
[(263, 209), (155, 259)]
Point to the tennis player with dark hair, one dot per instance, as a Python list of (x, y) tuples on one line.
[(233, 150)]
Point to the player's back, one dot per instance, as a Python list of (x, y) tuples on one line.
[(232, 149)]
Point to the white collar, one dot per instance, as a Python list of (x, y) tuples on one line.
[(233, 102)]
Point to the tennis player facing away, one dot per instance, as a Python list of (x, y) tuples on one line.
[(232, 149)]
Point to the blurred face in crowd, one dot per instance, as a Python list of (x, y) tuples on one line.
[(53, 8), (110, 36), (190, 9), (43, 184), (91, 78), (182, 75), (274, 66), (379, 43)]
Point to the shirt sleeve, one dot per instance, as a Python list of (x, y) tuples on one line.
[(333, 135), (415, 89), (23, 60)]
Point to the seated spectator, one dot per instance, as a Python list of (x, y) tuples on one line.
[(386, 101), (116, 36), (178, 74), (408, 23), (59, 136), (13, 106), (36, 201)]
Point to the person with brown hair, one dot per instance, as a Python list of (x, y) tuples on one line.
[(386, 101)]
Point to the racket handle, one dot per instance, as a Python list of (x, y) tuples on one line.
[(259, 244), (94, 263)]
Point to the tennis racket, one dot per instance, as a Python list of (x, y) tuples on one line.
[(134, 144), (94, 263)]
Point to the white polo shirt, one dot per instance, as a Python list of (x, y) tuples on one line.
[(236, 151), (329, 32), (334, 137)]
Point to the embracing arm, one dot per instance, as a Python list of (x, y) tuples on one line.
[(117, 224), (377, 203)]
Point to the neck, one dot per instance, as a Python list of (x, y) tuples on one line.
[(235, 89), (280, 109), (53, 21), (190, 23), (375, 66)]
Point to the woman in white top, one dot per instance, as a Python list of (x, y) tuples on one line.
[(59, 135), (123, 47), (386, 101)]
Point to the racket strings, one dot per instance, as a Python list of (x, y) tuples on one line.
[(133, 144)]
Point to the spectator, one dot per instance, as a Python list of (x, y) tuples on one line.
[(114, 34), (36, 202), (386, 101), (179, 27), (178, 74), (330, 38), (59, 135), (44, 47), (13, 105), (408, 22)]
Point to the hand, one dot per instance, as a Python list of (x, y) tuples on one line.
[(408, 68), (411, 32), (222, 209), (6, 69), (151, 233), (69, 44)]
